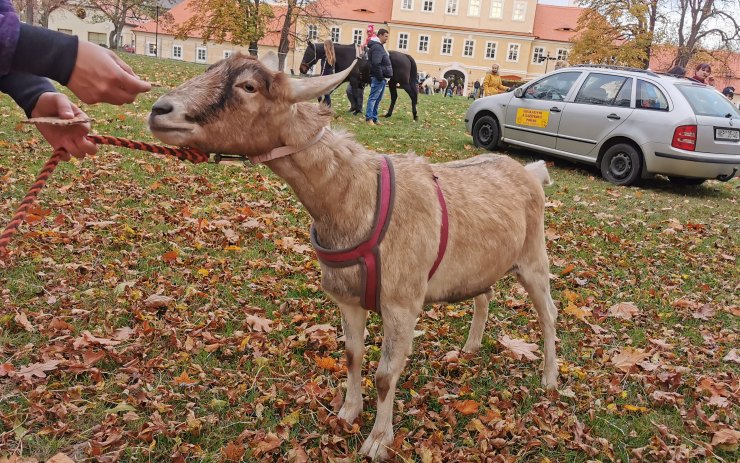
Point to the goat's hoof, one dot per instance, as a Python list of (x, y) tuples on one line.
[(550, 382), (471, 347), (349, 413), (376, 446)]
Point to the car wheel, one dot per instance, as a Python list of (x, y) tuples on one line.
[(486, 133), (621, 164), (686, 181)]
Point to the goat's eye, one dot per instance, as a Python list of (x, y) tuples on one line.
[(249, 87)]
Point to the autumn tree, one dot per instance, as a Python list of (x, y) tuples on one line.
[(702, 25), (119, 11), (241, 22), (38, 11), (622, 31), (316, 12)]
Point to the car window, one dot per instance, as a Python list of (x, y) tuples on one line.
[(706, 101), (649, 96), (603, 89), (554, 87), (624, 96)]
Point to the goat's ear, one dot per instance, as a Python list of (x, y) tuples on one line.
[(313, 87), (270, 60)]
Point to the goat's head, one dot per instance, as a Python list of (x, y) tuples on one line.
[(238, 106)]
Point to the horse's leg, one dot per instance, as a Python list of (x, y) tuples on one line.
[(414, 95), (394, 97)]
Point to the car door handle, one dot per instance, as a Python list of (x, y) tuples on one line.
[(555, 109), (613, 116)]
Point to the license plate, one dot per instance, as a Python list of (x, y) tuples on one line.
[(727, 134), (532, 117)]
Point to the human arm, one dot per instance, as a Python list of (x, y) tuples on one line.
[(93, 73), (499, 85)]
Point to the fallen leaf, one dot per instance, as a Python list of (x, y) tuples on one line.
[(183, 379), (259, 323), (157, 301), (732, 356), (38, 370), (519, 348), (233, 451), (60, 458), (726, 438), (467, 407), (624, 310), (327, 363), (628, 358), (22, 320), (267, 444)]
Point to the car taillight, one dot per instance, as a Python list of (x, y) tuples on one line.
[(684, 137)]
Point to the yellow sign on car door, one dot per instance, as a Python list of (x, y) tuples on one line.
[(532, 117)]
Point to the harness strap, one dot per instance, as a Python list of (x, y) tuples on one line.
[(366, 253), (444, 229), (283, 151)]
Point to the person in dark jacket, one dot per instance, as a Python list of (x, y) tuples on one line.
[(380, 69), (29, 55)]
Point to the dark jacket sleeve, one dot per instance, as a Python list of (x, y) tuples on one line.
[(9, 28), (45, 53), (25, 89)]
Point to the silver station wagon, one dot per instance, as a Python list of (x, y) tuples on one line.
[(630, 123)]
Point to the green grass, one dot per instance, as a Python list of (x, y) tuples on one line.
[(654, 245)]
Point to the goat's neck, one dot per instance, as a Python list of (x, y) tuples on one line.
[(336, 180)]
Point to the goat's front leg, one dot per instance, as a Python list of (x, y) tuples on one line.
[(353, 325), (398, 333)]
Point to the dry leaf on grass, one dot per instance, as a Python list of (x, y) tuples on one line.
[(626, 359), (518, 348), (624, 310)]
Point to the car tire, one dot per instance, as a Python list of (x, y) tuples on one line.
[(486, 133), (686, 181), (621, 164)]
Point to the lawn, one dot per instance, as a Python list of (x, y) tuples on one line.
[(155, 310)]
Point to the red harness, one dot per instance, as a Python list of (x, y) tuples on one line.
[(367, 253)]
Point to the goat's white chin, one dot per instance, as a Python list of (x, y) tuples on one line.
[(180, 136)]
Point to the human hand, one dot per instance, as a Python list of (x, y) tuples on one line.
[(100, 75), (70, 137)]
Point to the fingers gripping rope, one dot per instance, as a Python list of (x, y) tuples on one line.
[(184, 154)]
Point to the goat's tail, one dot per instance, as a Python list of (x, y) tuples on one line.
[(539, 170)]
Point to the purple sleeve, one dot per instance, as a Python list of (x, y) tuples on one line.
[(9, 30)]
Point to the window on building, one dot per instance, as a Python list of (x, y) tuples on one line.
[(101, 38), (452, 6), (497, 9), (446, 46), (357, 36), (469, 48), (151, 49), (407, 4), (403, 41), (473, 7), (538, 54), (562, 55), (228, 53), (177, 51), (312, 32), (200, 55), (424, 43), (520, 11), (428, 6), (336, 34), (65, 31), (491, 50), (513, 54)]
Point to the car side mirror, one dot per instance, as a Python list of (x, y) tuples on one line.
[(519, 92)]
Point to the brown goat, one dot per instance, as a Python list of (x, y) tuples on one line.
[(496, 214)]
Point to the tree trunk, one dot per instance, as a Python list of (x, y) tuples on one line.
[(284, 44), (29, 11)]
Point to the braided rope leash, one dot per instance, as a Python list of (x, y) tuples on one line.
[(184, 154)]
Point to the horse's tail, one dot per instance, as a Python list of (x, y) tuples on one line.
[(414, 77)]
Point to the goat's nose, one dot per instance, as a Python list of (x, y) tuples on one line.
[(162, 107)]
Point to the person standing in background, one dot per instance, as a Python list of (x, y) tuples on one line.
[(380, 69), (702, 71)]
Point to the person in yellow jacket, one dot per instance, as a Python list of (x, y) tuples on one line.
[(492, 84)]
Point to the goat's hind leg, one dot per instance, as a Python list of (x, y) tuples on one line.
[(535, 277), (478, 325), (353, 325)]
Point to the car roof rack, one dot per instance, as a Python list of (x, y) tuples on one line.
[(617, 68)]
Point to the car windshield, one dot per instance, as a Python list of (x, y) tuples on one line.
[(706, 101)]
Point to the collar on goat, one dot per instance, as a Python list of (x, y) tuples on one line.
[(283, 151), (367, 253)]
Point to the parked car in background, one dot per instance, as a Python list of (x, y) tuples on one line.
[(630, 123)]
